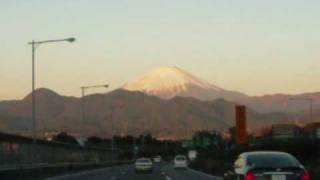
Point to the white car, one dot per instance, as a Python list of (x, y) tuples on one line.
[(157, 159), (143, 164), (180, 161)]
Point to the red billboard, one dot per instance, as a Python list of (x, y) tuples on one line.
[(241, 124)]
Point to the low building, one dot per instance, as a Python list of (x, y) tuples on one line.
[(285, 131), (313, 130)]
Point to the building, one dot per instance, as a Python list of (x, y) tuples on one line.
[(285, 131), (313, 130)]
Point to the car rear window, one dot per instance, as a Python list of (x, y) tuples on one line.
[(180, 158), (143, 161), (272, 160)]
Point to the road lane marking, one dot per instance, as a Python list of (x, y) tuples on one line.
[(113, 178), (91, 171), (86, 172), (168, 178), (205, 174), (78, 174)]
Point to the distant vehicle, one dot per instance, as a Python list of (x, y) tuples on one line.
[(180, 161), (157, 159), (192, 155), (264, 165), (143, 165)]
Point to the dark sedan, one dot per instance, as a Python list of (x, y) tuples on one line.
[(264, 165)]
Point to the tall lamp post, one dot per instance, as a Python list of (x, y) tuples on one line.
[(34, 45), (308, 100), (83, 91)]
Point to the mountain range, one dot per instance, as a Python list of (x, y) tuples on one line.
[(167, 102), (169, 82)]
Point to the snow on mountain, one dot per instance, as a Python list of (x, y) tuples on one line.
[(168, 82)]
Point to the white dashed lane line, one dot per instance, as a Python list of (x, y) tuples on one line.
[(78, 174), (166, 176), (205, 174)]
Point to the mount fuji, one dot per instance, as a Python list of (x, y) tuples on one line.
[(168, 82)]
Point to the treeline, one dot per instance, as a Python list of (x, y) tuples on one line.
[(129, 146)]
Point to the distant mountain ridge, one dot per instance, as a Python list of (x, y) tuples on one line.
[(167, 102), (137, 113)]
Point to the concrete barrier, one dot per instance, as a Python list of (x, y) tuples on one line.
[(43, 171)]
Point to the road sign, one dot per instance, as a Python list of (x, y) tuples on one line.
[(318, 133), (192, 155)]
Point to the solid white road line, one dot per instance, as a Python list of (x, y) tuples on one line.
[(205, 174), (77, 174), (168, 178), (113, 178)]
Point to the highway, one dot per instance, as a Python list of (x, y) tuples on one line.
[(126, 172)]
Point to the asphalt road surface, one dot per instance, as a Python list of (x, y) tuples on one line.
[(126, 172)]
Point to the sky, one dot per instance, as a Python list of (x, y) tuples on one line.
[(255, 47)]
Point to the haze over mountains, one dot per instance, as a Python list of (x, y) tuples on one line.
[(168, 102)]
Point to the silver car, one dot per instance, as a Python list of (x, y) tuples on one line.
[(180, 162), (143, 165)]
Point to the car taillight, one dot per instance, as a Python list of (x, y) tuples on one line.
[(305, 175), (250, 176)]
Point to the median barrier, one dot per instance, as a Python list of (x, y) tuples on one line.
[(41, 171)]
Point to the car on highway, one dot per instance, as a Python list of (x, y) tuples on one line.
[(157, 159), (143, 165), (267, 165), (180, 162)]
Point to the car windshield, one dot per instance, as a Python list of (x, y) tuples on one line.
[(271, 160)]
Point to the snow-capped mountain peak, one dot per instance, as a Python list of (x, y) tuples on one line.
[(168, 82)]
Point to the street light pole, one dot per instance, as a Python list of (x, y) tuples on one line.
[(114, 106), (112, 135), (82, 106), (34, 125), (83, 91), (34, 45), (311, 109), (134, 147)]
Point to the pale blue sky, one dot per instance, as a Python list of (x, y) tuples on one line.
[(253, 46)]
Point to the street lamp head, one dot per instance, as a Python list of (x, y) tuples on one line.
[(71, 39)]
